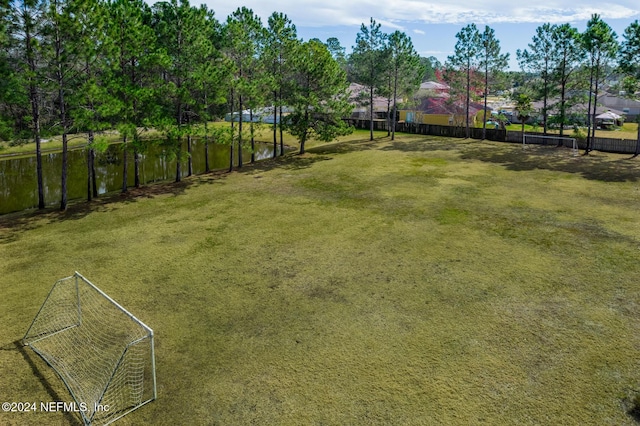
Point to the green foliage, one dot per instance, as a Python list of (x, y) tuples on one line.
[(629, 58), (430, 66), (320, 99), (463, 62), (368, 61), (579, 134), (600, 43)]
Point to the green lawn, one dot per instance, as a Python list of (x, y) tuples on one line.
[(627, 131), (422, 281)]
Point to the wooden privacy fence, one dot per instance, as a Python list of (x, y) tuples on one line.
[(623, 146)]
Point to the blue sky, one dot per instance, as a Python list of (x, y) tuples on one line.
[(433, 25)]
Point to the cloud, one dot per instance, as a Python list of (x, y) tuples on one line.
[(420, 32), (316, 13)]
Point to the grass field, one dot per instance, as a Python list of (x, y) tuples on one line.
[(422, 281)]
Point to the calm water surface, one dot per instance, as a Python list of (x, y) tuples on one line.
[(18, 183)]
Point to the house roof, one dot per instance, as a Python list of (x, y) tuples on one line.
[(359, 95), (618, 102), (576, 109), (436, 105), (433, 85)]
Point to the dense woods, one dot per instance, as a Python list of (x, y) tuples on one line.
[(85, 66)]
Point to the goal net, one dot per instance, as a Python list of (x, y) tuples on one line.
[(549, 140), (103, 354)]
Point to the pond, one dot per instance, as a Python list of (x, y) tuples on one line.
[(18, 181)]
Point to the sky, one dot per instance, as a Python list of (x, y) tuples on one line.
[(433, 25)]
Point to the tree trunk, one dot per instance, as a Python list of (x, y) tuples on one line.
[(65, 168), (35, 110), (281, 138), (484, 112), (371, 111), (125, 164), (395, 106), (178, 159), (232, 133), (638, 140), (63, 113), (190, 158), (94, 180), (275, 126), (206, 148), (589, 121), (136, 166), (253, 143), (240, 131), (595, 109), (89, 167), (468, 100)]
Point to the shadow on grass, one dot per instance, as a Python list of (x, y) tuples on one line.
[(597, 166), (12, 224), (349, 146), (635, 413), (54, 396), (420, 143), (287, 162), (632, 407)]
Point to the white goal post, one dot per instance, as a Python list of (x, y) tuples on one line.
[(551, 140), (103, 354)]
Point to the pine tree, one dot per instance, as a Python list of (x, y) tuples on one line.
[(599, 41), (366, 62), (465, 58), (320, 99)]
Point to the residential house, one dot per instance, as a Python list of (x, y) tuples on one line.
[(630, 108)]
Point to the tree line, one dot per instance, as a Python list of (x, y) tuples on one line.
[(70, 66), (563, 68), (87, 66)]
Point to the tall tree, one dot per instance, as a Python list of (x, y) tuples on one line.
[(62, 47), (243, 34), (567, 56), (367, 63), (212, 75), (91, 98), (492, 62), (320, 98), (629, 63), (182, 31), (599, 41), (539, 62), (281, 43), (406, 70), (465, 59), (131, 56), (26, 33)]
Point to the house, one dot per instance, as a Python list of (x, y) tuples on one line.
[(359, 97), (630, 108), (440, 111), (575, 113)]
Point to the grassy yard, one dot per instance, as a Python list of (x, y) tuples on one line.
[(627, 131), (422, 281)]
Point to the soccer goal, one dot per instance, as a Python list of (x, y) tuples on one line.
[(528, 140), (103, 354)]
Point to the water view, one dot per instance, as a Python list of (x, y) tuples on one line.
[(18, 182)]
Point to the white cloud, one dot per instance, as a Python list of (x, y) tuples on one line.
[(316, 13), (419, 32)]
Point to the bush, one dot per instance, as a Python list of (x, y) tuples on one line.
[(578, 134)]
